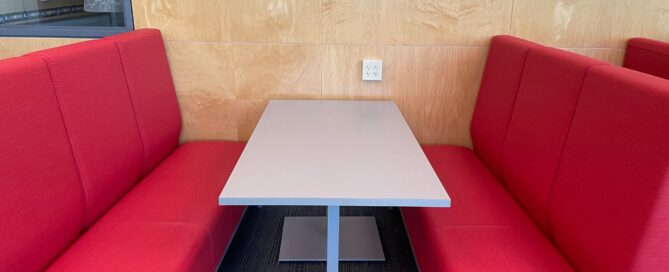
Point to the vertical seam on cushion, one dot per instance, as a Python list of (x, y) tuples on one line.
[(134, 109), (508, 123), (547, 209), (76, 158)]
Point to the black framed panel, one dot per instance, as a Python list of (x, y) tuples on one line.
[(66, 18)]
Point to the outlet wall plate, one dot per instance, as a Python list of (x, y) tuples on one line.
[(372, 70)]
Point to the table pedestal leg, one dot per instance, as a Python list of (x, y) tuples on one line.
[(333, 239)]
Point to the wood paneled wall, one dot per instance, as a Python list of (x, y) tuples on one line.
[(229, 57)]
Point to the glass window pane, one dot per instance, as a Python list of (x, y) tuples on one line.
[(73, 14)]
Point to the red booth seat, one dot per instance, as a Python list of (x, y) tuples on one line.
[(94, 178), (568, 172), (648, 56)]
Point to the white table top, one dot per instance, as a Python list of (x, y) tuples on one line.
[(333, 153)]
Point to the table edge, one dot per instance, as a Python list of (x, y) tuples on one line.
[(379, 202)]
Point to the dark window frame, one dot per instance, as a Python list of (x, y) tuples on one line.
[(71, 31)]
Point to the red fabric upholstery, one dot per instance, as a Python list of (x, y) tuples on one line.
[(152, 92), (587, 156), (478, 197), (90, 85), (77, 136), (497, 96), (42, 203), (582, 147), (484, 230), (610, 205), (139, 247), (185, 188), (490, 248), (546, 101), (648, 56), (168, 222)]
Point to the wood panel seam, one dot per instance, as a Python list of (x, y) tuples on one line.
[(332, 44)]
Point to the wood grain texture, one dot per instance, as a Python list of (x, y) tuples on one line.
[(291, 21), (229, 57), (14, 47), (194, 20), (207, 117), (435, 87), (414, 22), (222, 88), (590, 23)]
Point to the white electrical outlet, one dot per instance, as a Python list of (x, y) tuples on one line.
[(372, 69)]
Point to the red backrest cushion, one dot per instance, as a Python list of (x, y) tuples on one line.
[(546, 101), (152, 91), (42, 205), (648, 56), (91, 87), (610, 205), (496, 98)]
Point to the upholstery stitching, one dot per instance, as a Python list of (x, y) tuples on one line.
[(69, 137), (140, 132), (547, 209), (508, 123)]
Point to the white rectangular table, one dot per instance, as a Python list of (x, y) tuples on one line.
[(333, 153)]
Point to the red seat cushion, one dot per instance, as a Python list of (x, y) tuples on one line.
[(491, 248), (544, 108), (610, 206), (477, 196), (648, 56), (497, 96), (185, 188), (152, 92), (98, 114), (484, 230), (42, 206), (139, 246)]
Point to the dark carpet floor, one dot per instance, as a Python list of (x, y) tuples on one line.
[(256, 244)]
